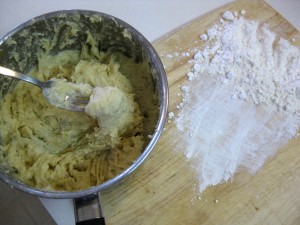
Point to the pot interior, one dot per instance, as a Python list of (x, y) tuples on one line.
[(54, 33)]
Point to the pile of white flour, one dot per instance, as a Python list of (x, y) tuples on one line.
[(242, 101)]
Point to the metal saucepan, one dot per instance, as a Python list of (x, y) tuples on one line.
[(113, 34)]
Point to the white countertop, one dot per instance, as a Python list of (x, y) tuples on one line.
[(153, 19)]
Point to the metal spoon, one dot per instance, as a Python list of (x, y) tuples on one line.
[(72, 103)]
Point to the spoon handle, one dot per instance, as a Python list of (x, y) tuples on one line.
[(10, 73)]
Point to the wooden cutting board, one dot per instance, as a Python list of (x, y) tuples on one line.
[(161, 191)]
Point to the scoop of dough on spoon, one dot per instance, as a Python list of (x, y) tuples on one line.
[(59, 92)]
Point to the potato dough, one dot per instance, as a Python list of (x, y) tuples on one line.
[(54, 149)]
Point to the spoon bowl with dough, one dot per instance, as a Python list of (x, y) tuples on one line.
[(59, 92)]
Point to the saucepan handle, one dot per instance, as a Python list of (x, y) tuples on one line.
[(88, 210)]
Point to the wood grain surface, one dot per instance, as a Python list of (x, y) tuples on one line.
[(162, 190)]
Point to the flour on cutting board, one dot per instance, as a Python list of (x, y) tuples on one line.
[(241, 101)]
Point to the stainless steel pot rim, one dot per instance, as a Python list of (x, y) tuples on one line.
[(159, 127)]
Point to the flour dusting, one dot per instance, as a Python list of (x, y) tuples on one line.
[(242, 100)]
